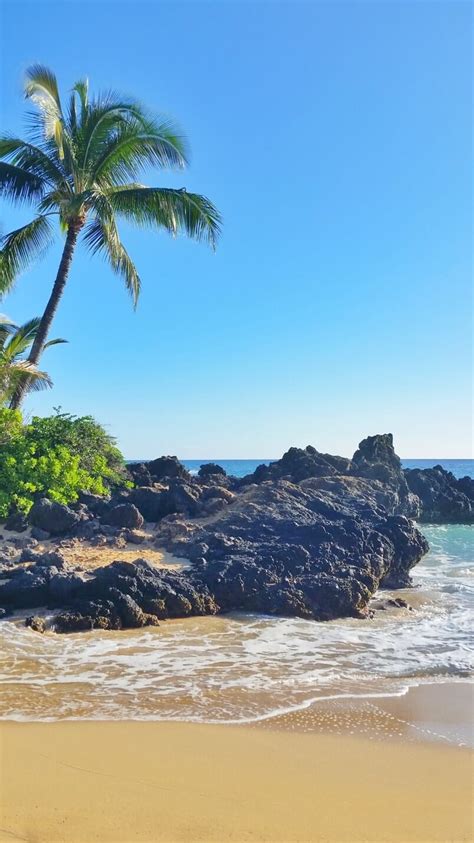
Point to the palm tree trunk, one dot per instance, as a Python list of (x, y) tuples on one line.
[(54, 299)]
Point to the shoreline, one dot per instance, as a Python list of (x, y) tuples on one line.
[(161, 782), (311, 716)]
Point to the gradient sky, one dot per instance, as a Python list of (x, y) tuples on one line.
[(335, 139)]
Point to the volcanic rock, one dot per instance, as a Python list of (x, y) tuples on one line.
[(53, 517), (124, 515), (444, 498), (17, 522), (166, 468), (210, 469)]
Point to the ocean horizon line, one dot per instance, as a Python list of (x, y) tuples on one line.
[(274, 459)]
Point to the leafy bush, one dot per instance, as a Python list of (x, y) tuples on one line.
[(57, 456)]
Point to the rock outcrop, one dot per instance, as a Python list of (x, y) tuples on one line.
[(311, 535), (166, 468), (376, 459), (444, 499), (54, 518), (287, 548), (210, 470), (124, 515)]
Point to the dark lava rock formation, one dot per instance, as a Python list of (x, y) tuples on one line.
[(311, 535), (317, 549), (444, 499)]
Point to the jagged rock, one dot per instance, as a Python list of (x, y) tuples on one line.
[(134, 536), (129, 611), (166, 468), (88, 615), (310, 535), (212, 507), (96, 504), (139, 473), (218, 492), (321, 554), (73, 621), (153, 504), (87, 529), (40, 535), (36, 623), (367, 492), (406, 547), (124, 515), (81, 510), (444, 498), (43, 559), (176, 595), (211, 469), (341, 464), (183, 497), (465, 485), (295, 465), (64, 587), (17, 522), (172, 528), (53, 517), (19, 542), (26, 588), (376, 459)]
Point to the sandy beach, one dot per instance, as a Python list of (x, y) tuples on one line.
[(117, 782)]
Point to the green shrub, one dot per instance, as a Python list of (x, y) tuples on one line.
[(57, 456)]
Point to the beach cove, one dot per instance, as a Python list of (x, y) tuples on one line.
[(244, 726)]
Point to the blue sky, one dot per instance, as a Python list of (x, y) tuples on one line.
[(335, 139)]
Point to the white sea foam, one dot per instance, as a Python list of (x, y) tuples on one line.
[(245, 668)]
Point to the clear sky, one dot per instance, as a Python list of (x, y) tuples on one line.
[(335, 139)]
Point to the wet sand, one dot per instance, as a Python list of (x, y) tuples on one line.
[(435, 712), (118, 782)]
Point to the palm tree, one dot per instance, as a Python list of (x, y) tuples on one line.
[(15, 370), (81, 165)]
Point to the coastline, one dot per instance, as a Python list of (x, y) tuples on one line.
[(111, 781)]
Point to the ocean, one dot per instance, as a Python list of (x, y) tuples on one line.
[(239, 468), (246, 668)]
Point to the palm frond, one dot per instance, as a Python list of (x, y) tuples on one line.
[(134, 145), (21, 338), (37, 380), (81, 88), (72, 114), (21, 247), (58, 341), (16, 371), (19, 185), (19, 371), (40, 162), (100, 122), (175, 210), (41, 87), (7, 327), (101, 236)]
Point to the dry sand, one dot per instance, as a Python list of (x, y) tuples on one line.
[(81, 553), (115, 782), (89, 556)]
